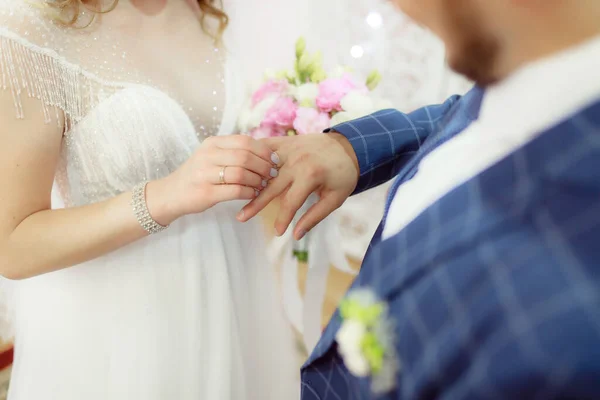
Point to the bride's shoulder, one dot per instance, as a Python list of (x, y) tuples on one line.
[(34, 50)]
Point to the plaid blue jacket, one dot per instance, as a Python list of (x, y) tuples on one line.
[(495, 289)]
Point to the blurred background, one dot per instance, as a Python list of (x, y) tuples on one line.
[(362, 34)]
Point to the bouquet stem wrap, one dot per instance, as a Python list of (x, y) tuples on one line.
[(300, 248)]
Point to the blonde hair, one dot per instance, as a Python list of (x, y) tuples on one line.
[(70, 11)]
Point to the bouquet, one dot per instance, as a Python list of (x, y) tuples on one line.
[(306, 100)]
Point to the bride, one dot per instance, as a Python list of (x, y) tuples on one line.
[(143, 286)]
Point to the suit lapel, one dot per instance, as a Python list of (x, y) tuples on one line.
[(451, 226), (493, 201), (460, 116)]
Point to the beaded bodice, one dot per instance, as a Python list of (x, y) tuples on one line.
[(133, 95)]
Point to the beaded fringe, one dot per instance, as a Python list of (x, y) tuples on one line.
[(61, 87), (30, 71)]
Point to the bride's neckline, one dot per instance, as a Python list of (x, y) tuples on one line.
[(128, 20), (161, 9), (149, 7), (126, 27)]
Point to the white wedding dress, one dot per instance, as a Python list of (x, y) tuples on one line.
[(190, 313)]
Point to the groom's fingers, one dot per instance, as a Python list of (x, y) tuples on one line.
[(317, 213), (275, 145), (291, 203), (275, 188)]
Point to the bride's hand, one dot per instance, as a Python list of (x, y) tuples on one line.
[(196, 186)]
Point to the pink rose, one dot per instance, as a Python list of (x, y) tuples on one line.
[(264, 132), (309, 120), (333, 90), (271, 88), (282, 113)]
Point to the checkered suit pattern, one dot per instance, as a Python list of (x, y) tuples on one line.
[(495, 288)]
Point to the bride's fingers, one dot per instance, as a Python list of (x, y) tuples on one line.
[(241, 142), (275, 188), (223, 193), (237, 176), (244, 159), (276, 144)]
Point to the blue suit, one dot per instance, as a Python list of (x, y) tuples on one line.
[(495, 289)]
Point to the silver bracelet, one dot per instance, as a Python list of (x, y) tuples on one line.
[(140, 209)]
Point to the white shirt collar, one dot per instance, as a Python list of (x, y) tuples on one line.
[(543, 93), (513, 113)]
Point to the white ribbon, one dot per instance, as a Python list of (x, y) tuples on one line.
[(324, 249)]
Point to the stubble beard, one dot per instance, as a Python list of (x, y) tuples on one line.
[(473, 50)]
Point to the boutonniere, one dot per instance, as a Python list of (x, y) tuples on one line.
[(366, 340)]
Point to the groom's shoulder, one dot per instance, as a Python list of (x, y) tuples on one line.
[(572, 148), (585, 121), (556, 175)]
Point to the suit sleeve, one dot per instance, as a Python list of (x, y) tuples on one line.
[(386, 140)]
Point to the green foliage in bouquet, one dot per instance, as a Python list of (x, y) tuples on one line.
[(308, 67)]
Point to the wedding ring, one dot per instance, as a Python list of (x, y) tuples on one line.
[(222, 176)]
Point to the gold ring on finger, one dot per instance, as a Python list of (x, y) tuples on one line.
[(222, 176)]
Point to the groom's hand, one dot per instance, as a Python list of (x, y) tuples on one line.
[(324, 164)]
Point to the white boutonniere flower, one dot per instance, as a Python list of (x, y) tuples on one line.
[(365, 340)]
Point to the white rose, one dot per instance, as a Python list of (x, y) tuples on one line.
[(358, 104), (340, 118), (307, 93), (381, 104), (259, 110), (251, 118)]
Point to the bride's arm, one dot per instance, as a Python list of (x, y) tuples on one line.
[(35, 239)]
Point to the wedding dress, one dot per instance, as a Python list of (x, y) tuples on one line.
[(190, 313)]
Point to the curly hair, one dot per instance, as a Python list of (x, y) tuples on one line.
[(72, 10)]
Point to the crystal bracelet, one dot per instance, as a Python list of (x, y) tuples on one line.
[(140, 209)]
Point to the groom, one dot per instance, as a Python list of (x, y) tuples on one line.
[(484, 278)]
